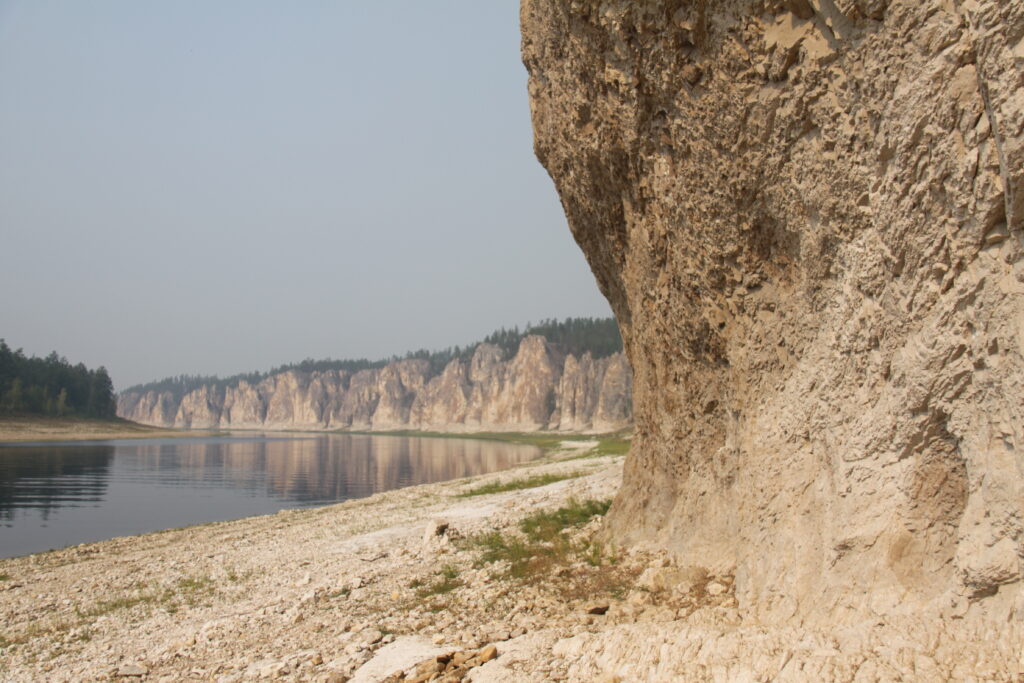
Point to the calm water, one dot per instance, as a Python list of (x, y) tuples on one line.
[(55, 495)]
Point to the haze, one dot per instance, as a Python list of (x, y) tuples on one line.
[(196, 187)]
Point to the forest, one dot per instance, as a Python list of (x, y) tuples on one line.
[(52, 386), (597, 336)]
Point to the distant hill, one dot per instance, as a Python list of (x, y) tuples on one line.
[(598, 336), (52, 386)]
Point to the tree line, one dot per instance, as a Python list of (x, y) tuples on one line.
[(597, 336), (52, 386)]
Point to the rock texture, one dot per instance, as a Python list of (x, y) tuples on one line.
[(538, 388), (807, 217)]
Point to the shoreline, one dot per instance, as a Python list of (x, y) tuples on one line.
[(495, 578), (18, 430), (31, 429)]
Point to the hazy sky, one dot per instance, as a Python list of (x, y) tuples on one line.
[(216, 187)]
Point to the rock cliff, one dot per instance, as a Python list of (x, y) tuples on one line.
[(807, 217), (538, 388)]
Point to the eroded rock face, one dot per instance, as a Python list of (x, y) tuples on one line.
[(486, 392), (807, 217)]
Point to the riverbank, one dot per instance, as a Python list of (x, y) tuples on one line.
[(424, 580), (29, 429)]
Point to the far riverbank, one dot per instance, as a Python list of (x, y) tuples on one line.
[(31, 428)]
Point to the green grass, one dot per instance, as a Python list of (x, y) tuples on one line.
[(613, 446), (544, 540), (547, 526), (189, 590), (125, 602), (447, 580), (518, 484), (5, 577), (546, 441)]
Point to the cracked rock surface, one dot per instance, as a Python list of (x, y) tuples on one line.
[(807, 216)]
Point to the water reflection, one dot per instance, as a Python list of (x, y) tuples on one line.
[(319, 469), (47, 478), (57, 495)]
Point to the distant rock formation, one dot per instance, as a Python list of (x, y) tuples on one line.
[(538, 388), (807, 216)]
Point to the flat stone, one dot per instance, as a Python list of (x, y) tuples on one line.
[(127, 670)]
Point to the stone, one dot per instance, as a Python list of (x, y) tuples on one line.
[(371, 636), (597, 607), (434, 530), (714, 588), (487, 654), (132, 670), (827, 353)]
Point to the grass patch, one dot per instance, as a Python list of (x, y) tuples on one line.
[(548, 526), (447, 580), (612, 447), (544, 540), (5, 577), (107, 606), (546, 441), (607, 446), (188, 590), (518, 484)]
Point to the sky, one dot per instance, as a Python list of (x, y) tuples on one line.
[(217, 187)]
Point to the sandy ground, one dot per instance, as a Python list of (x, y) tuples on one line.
[(23, 429), (399, 587)]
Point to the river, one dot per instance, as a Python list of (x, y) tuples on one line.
[(59, 494)]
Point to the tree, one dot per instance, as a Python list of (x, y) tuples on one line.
[(62, 402), (101, 395), (14, 399)]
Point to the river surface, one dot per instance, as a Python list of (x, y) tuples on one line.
[(59, 494)]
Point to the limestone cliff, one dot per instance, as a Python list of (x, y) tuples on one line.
[(538, 388), (807, 217)]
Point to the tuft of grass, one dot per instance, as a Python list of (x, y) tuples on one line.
[(189, 589), (498, 547), (107, 606), (518, 484), (544, 541), (447, 581), (548, 526), (5, 577)]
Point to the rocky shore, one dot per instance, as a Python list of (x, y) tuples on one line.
[(425, 583)]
